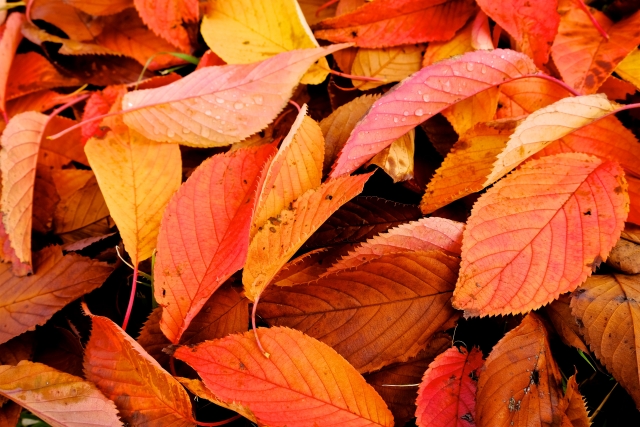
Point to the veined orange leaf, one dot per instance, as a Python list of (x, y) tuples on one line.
[(279, 239), (81, 202), (76, 24), (575, 408), (565, 324), (539, 233), (9, 40), (383, 311), (137, 178), (60, 399), (303, 383), (144, 393), (217, 106), (32, 72), (166, 18), (634, 198), (205, 234), (100, 7), (390, 64)]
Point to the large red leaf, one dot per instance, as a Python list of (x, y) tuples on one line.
[(204, 234), (385, 23), (216, 106), (382, 312), (425, 94), (304, 383), (539, 233), (144, 393), (447, 394)]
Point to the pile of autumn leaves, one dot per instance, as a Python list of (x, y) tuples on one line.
[(358, 293)]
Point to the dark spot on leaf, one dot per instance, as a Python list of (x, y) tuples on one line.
[(588, 213), (535, 377), (467, 417), (329, 197)]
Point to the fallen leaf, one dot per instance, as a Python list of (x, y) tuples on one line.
[(607, 311), (100, 7), (144, 393), (387, 23), (629, 68), (520, 383), (9, 40), (616, 89), (246, 97), (213, 207), (166, 18), (17, 349), (10, 414), (423, 235), (583, 56), (46, 194), (308, 382), (460, 43), (76, 24), (58, 280), (575, 411), (98, 104), (524, 96), (60, 399), (60, 152), (397, 159), (137, 177), (279, 240), (311, 13), (81, 202), (390, 64), (625, 257), (447, 394), (308, 267), (517, 257), (634, 197), (64, 46), (36, 101), (383, 311), (425, 94), (565, 324), (479, 108)]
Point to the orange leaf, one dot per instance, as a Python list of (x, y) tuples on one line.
[(47, 197), (401, 400), (9, 40), (518, 256), (144, 393), (32, 72), (213, 208), (447, 394), (77, 25), (100, 7), (303, 383), (466, 167), (606, 308), (58, 280), (425, 94), (565, 324), (634, 197), (384, 311), (81, 202), (575, 411), (424, 235), (10, 412), (388, 23), (296, 168), (60, 399), (583, 56), (524, 96), (280, 238), (217, 106), (37, 101), (307, 267), (520, 383), (226, 312), (167, 18)]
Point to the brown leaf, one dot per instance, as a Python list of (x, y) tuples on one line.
[(625, 257), (565, 324), (575, 408), (81, 202)]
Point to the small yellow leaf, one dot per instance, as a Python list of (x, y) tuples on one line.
[(397, 159), (391, 64)]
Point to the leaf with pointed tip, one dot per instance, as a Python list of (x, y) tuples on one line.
[(466, 167), (532, 25), (308, 267), (60, 399), (423, 235), (99, 103), (10, 38), (447, 394), (295, 169), (217, 106), (390, 64), (226, 312), (391, 381), (523, 97), (607, 309), (279, 240), (540, 232), (381, 312), (137, 177), (386, 23), (584, 58), (423, 95), (32, 72), (629, 68), (58, 280), (575, 408), (81, 202), (144, 393), (360, 219), (562, 119), (205, 234), (520, 383), (76, 24), (303, 383), (167, 18)]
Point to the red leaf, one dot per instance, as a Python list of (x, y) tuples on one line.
[(10, 37), (166, 19)]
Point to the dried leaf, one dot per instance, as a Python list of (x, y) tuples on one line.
[(166, 18), (565, 324), (625, 257), (391, 64), (397, 159), (100, 7), (9, 40), (81, 202), (576, 409), (77, 25)]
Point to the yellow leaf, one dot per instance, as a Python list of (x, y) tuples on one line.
[(480, 108), (397, 159), (296, 169), (629, 68), (259, 31), (391, 64), (137, 178)]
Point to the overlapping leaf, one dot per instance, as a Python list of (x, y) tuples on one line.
[(217, 106), (629, 68), (634, 198), (167, 18), (304, 382), (76, 24), (425, 94), (575, 412), (100, 7), (9, 40), (447, 394), (539, 233), (397, 159), (391, 64), (81, 202), (58, 280), (144, 393), (384, 311), (205, 234), (60, 399), (607, 308), (565, 324), (31, 72)]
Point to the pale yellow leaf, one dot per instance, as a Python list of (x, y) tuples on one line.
[(397, 159), (391, 64)]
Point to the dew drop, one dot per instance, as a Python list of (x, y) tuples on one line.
[(483, 70), (129, 104), (419, 112), (238, 105), (171, 133), (395, 120), (185, 131), (425, 97), (258, 99), (208, 112), (217, 117), (406, 113), (470, 66), (404, 119), (220, 100)]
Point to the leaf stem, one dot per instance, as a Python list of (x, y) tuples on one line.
[(255, 330), (325, 6), (593, 19), (218, 423), (131, 298), (602, 403), (361, 78), (550, 79), (295, 104)]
